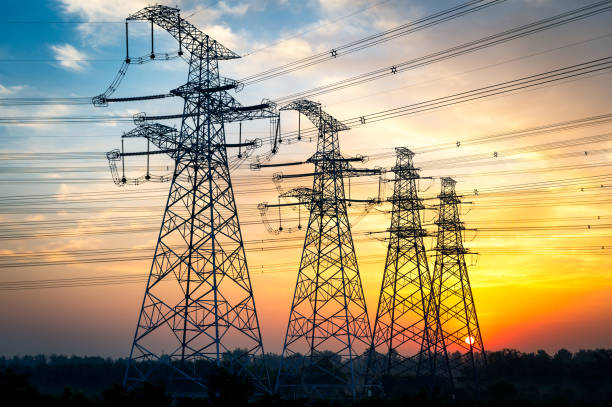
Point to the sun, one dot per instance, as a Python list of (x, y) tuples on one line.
[(470, 340)]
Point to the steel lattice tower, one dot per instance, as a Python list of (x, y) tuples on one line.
[(458, 333), (328, 331), (405, 318), (198, 306)]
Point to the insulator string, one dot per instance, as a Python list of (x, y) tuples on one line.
[(127, 45), (148, 176), (152, 47), (349, 191), (122, 162), (240, 140), (280, 220), (180, 40)]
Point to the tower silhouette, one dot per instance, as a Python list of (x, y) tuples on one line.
[(457, 335), (405, 317), (328, 331), (198, 310)]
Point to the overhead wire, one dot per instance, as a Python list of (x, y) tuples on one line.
[(402, 30), (528, 186), (458, 50), (315, 28), (580, 70), (518, 32), (437, 164)]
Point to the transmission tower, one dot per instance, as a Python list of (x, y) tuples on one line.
[(405, 318), (198, 310), (457, 333), (328, 331)]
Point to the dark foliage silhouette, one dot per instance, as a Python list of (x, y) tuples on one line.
[(514, 378)]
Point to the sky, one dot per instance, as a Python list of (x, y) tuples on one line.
[(537, 207)]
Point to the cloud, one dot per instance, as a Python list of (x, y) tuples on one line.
[(224, 35), (69, 57), (239, 9), (96, 35), (103, 9), (9, 90)]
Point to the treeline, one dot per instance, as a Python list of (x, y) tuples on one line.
[(513, 378), (561, 379)]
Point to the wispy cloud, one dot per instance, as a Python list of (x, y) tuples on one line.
[(9, 90), (70, 58), (238, 9)]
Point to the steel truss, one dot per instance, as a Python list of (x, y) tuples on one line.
[(406, 317), (458, 343), (198, 311), (328, 332)]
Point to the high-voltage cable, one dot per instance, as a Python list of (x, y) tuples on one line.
[(458, 50), (404, 29), (552, 76), (572, 72)]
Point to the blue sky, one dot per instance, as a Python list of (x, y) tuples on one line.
[(100, 46)]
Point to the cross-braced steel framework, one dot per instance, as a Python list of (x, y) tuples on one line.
[(328, 331), (457, 335), (198, 309), (405, 318)]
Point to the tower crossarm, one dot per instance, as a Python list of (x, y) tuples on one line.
[(199, 44), (163, 137), (258, 166), (339, 161), (190, 88), (303, 194), (343, 164), (406, 173), (408, 232), (322, 120), (233, 111), (228, 110), (451, 250), (362, 172)]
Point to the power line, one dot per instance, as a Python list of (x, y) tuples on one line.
[(72, 282), (58, 230), (425, 22), (458, 50), (555, 75), (59, 22), (317, 27), (530, 81), (402, 30), (462, 161)]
